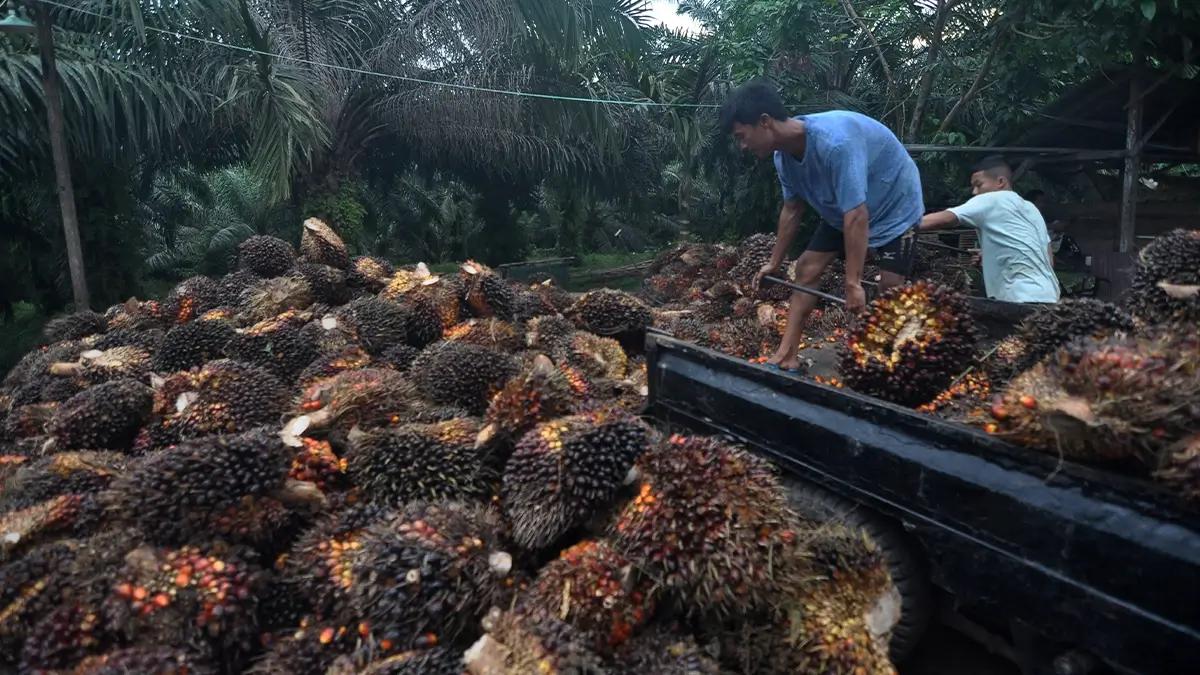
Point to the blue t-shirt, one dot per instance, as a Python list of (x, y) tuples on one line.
[(851, 159)]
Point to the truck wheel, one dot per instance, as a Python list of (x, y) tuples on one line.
[(904, 561)]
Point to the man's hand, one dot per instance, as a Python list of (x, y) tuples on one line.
[(765, 270), (856, 297)]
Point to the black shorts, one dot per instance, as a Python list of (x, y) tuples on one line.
[(896, 256)]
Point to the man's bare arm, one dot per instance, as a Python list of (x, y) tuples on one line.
[(939, 220), (789, 222)]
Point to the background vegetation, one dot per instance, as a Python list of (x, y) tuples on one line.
[(182, 148)]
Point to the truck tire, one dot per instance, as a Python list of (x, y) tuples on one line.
[(904, 560)]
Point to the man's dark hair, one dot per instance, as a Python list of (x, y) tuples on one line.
[(749, 102), (994, 166)]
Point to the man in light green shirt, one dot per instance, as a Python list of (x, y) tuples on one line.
[(1018, 264)]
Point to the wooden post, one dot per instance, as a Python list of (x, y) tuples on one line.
[(58, 150), (1133, 135)]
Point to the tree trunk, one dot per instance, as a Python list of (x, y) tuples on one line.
[(935, 53), (973, 90), (62, 166)]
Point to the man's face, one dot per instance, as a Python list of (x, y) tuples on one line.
[(982, 182), (758, 139)]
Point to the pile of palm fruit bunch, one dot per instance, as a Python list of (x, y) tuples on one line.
[(321, 463), (1117, 387)]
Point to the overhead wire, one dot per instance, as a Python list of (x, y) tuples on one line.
[(391, 76)]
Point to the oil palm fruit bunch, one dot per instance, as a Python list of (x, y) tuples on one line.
[(436, 661), (32, 481), (912, 342), (609, 313), (223, 396), (104, 417), (369, 273), (744, 338), (334, 362), (193, 344), (1106, 399), (666, 650), (518, 644), (1166, 280), (406, 280), (312, 648), (278, 345), (421, 462), (711, 524), (148, 339), (328, 284), (266, 256), (461, 375), (31, 586), (366, 398), (66, 635), (549, 334), (74, 326), (150, 660), (318, 568), (492, 333), (315, 462), (177, 494), (377, 323), (136, 315), (752, 254), (68, 514), (96, 366), (1052, 326), (434, 568), (267, 298), (486, 293), (432, 311), (595, 590), (718, 301), (320, 244), (1002, 362), (192, 297), (187, 595), (399, 357), (597, 357), (554, 299), (539, 393), (564, 470), (29, 422)]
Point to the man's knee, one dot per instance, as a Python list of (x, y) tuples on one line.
[(890, 280), (808, 271)]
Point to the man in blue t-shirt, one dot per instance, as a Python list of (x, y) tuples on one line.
[(853, 172)]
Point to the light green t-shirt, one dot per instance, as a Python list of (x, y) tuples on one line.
[(1013, 242)]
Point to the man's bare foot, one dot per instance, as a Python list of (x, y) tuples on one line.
[(792, 364), (779, 357)]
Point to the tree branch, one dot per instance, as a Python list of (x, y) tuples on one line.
[(973, 90), (862, 25), (935, 52)]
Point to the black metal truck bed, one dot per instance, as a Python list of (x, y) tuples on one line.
[(1084, 557)]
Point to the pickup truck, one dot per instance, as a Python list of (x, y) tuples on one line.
[(1064, 568)]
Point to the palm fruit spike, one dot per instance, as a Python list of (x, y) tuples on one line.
[(320, 244), (1107, 399), (486, 293), (711, 523), (1053, 326), (598, 357), (266, 256), (268, 298), (328, 284), (666, 651), (435, 568), (421, 461), (97, 366), (564, 470), (106, 416), (279, 346), (334, 363), (367, 398), (1166, 280), (462, 375), (178, 596), (519, 644), (192, 345), (74, 326), (1180, 469), (912, 342), (493, 333), (370, 273), (63, 637), (175, 494), (595, 590), (145, 661), (377, 323), (540, 393), (191, 298), (607, 312), (226, 397)]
